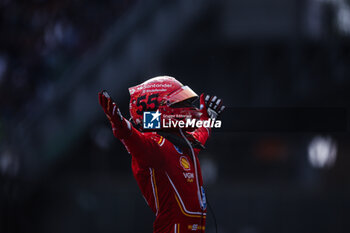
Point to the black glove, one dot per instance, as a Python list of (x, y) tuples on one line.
[(214, 106)]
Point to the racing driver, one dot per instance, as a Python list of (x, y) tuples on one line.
[(165, 160)]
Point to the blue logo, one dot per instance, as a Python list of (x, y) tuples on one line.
[(178, 149), (204, 199), (151, 120)]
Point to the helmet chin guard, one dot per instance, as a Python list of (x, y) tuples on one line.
[(162, 93)]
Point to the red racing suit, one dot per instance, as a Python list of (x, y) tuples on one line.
[(169, 177)]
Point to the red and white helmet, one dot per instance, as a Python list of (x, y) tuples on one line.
[(165, 94)]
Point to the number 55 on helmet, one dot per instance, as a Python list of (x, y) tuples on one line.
[(164, 94)]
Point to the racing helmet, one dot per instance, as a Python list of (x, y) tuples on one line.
[(164, 94)]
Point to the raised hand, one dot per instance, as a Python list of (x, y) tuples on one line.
[(212, 104)]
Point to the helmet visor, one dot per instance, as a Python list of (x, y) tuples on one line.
[(183, 93)]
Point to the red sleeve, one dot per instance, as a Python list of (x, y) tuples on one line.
[(202, 134), (141, 146)]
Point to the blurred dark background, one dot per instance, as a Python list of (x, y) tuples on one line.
[(61, 170)]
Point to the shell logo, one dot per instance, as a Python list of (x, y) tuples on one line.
[(184, 163)]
